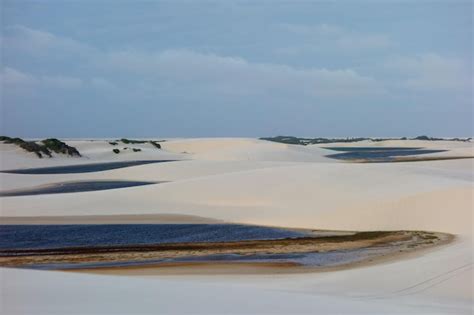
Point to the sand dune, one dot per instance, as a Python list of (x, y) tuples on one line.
[(318, 196), (258, 182), (246, 149)]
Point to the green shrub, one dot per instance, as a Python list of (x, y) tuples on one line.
[(422, 138), (58, 146), (155, 144), (129, 141), (116, 151), (39, 150), (44, 147)]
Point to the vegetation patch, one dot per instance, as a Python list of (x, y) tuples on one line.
[(44, 147), (116, 151), (427, 138), (128, 141), (60, 147), (154, 143)]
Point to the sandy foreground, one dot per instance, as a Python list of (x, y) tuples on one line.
[(255, 182)]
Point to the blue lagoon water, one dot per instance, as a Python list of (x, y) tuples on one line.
[(17, 237), (70, 187), (376, 154), (83, 168)]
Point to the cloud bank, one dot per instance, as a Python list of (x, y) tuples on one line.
[(305, 69)]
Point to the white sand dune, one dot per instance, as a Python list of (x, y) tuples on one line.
[(92, 151), (382, 196), (246, 149), (258, 182)]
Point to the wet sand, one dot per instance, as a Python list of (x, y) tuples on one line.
[(349, 249), (208, 268), (199, 268)]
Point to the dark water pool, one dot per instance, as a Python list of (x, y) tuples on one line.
[(371, 149), (71, 187), (377, 154), (83, 168), (62, 236)]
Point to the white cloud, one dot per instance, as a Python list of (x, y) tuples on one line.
[(327, 38), (210, 74), (13, 78), (431, 71), (312, 30), (19, 38), (101, 83), (365, 42), (233, 75), (61, 82)]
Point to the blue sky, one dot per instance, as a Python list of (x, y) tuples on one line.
[(236, 68)]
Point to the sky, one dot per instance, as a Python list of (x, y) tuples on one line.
[(115, 68)]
